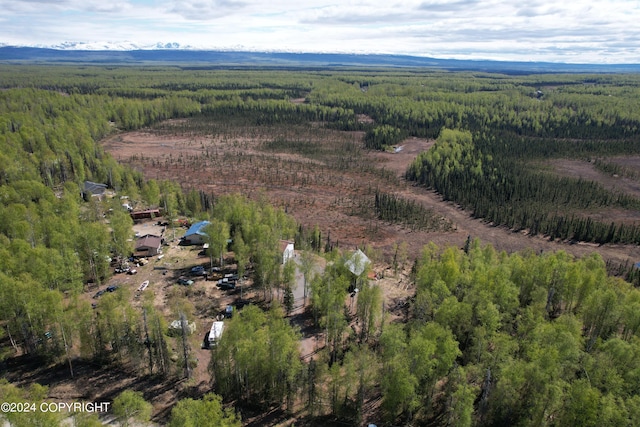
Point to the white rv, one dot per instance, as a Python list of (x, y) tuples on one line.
[(215, 333)]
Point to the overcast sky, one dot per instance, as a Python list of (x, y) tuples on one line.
[(591, 31)]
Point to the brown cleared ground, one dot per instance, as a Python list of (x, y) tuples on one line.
[(318, 194), (309, 189), (585, 170)]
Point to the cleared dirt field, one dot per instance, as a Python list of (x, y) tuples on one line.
[(311, 188), (587, 171), (314, 191)]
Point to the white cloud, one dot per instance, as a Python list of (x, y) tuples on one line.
[(61, 6), (585, 31), (205, 9)]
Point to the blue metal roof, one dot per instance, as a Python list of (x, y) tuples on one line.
[(197, 228)]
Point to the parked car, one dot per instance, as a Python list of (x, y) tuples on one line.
[(112, 288), (227, 286), (198, 271), (185, 282), (132, 271), (99, 293)]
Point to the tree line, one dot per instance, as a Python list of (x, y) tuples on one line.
[(506, 192), (396, 209)]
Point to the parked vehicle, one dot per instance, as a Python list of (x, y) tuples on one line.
[(132, 271), (143, 286), (185, 282), (226, 286), (112, 288), (217, 328), (198, 271), (99, 293), (228, 312)]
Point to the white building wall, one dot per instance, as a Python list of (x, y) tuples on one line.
[(287, 254)]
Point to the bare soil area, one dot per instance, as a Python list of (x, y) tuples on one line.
[(314, 194), (587, 171)]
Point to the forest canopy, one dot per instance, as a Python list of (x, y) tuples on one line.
[(489, 338)]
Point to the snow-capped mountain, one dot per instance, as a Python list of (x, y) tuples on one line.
[(175, 53), (107, 45)]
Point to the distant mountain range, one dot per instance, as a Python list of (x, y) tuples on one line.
[(113, 46), (175, 54)]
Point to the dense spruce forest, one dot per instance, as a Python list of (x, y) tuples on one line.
[(487, 339)]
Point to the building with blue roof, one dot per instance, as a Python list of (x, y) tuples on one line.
[(195, 235)]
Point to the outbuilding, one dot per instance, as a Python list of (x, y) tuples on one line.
[(357, 263), (175, 328), (146, 214), (286, 248)]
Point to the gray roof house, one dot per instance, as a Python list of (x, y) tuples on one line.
[(93, 189), (358, 263)]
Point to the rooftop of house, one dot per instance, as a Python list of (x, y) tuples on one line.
[(94, 187), (357, 263), (197, 228), (284, 244), (149, 240)]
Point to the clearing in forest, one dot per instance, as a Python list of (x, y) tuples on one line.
[(324, 177)]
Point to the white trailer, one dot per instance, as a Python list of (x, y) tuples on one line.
[(215, 333)]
